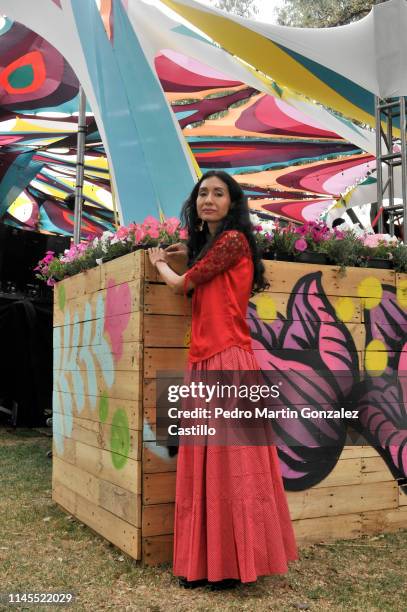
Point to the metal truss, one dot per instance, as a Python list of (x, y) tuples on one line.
[(391, 116)]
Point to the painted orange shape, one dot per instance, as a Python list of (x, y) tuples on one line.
[(33, 59)]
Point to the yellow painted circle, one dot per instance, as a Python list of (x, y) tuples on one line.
[(345, 308), (376, 358), (402, 293), (266, 307), (371, 291)]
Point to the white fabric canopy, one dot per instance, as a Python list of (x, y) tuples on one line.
[(371, 52)]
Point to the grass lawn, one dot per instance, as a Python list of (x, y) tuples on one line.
[(42, 549)]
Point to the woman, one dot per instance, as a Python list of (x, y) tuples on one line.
[(231, 514)]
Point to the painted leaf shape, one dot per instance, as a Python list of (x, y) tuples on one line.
[(316, 359)]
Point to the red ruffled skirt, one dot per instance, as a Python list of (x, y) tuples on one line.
[(231, 513)]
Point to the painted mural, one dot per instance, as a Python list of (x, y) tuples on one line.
[(313, 338), (294, 159), (87, 348), (346, 350)]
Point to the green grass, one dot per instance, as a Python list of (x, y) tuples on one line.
[(43, 549)]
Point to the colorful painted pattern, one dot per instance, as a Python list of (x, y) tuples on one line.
[(87, 349), (289, 163), (313, 340)]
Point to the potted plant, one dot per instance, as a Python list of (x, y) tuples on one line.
[(379, 249), (344, 249), (95, 251), (399, 257), (309, 240), (282, 242)]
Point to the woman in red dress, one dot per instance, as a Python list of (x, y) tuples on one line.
[(231, 514)]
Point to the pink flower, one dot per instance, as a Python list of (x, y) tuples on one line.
[(153, 232), (51, 282), (372, 240), (122, 232), (170, 225), (139, 234), (301, 230), (172, 222), (183, 234), (151, 221), (301, 244)]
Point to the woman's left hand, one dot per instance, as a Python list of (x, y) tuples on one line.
[(156, 254)]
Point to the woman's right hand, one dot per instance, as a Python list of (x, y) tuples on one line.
[(177, 256)]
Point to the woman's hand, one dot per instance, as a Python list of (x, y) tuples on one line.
[(156, 254), (176, 255), (175, 281)]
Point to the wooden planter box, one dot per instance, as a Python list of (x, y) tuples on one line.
[(114, 327)]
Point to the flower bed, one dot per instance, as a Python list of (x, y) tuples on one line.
[(90, 253), (315, 242), (312, 242)]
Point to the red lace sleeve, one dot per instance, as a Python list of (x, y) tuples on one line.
[(224, 254)]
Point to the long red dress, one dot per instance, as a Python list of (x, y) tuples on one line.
[(231, 513)]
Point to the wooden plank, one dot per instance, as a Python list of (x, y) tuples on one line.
[(359, 451), (160, 300), (129, 327), (96, 408), (171, 331), (85, 283), (402, 497), (166, 331), (69, 453), (123, 269), (374, 469), (120, 502), (158, 488), (117, 500), (99, 462), (84, 305), (100, 435), (161, 359), (114, 529), (149, 411), (126, 385), (339, 500), (149, 431), (158, 520), (75, 479), (384, 521), (157, 460), (401, 284), (157, 549), (284, 276), (346, 472), (63, 497), (150, 272), (349, 311), (129, 359), (327, 528)]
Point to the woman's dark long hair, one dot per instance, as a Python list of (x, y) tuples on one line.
[(238, 218)]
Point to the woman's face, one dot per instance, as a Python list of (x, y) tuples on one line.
[(213, 201)]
